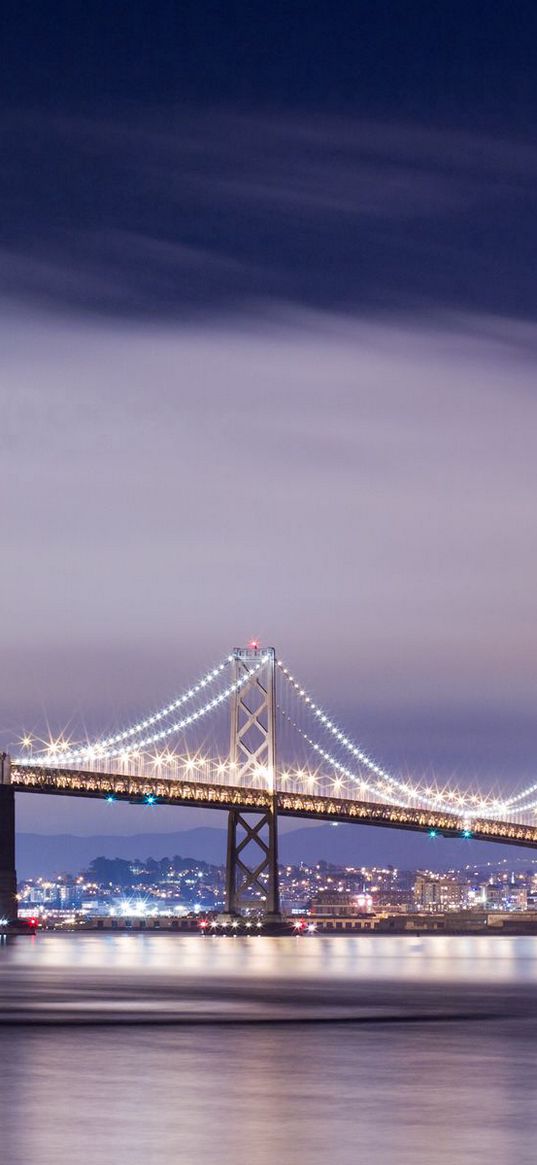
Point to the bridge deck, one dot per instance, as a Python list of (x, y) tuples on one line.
[(211, 795)]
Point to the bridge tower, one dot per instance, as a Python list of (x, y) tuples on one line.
[(252, 846), (8, 877)]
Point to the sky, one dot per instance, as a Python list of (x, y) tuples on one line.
[(267, 352)]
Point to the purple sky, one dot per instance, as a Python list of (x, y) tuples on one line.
[(361, 494), (267, 366)]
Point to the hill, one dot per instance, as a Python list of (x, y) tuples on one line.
[(44, 854)]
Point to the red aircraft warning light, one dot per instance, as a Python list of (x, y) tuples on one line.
[(254, 645)]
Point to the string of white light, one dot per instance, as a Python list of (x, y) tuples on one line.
[(432, 803), (522, 797), (321, 751), (438, 802), (530, 807), (178, 702), (340, 736), (100, 751)]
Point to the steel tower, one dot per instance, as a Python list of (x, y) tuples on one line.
[(252, 846)]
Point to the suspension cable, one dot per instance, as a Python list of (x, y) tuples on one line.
[(483, 805), (178, 702), (521, 797), (432, 803), (102, 751)]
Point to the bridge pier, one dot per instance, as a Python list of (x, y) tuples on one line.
[(252, 863), (8, 876)]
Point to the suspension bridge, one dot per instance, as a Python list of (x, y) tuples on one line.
[(272, 716)]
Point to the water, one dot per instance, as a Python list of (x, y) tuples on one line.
[(166, 1048)]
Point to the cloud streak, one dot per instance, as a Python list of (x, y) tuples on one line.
[(170, 215)]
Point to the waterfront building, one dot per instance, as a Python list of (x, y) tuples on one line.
[(436, 892)]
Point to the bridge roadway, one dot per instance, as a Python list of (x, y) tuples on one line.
[(211, 795)]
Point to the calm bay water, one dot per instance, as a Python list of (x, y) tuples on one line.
[(161, 1049)]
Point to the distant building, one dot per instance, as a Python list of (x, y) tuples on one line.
[(340, 904), (494, 896), (437, 892), (394, 899), (517, 898)]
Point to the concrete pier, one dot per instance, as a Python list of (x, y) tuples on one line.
[(8, 876)]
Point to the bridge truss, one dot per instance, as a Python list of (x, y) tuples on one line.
[(267, 704)]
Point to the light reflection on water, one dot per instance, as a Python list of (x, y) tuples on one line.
[(383, 1050)]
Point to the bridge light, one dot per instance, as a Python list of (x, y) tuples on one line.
[(150, 799), (110, 798), (432, 833), (467, 833)]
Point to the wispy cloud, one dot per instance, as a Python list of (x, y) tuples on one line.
[(167, 215)]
